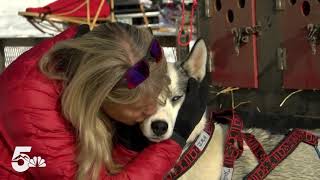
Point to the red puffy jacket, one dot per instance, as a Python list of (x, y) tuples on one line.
[(30, 116)]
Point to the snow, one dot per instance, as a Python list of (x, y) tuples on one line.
[(13, 25)]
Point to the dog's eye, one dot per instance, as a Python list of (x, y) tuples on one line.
[(175, 98)]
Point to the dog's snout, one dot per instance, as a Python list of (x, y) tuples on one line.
[(159, 127)]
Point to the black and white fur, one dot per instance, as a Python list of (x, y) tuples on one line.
[(302, 164)]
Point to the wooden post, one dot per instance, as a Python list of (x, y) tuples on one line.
[(112, 11), (145, 18)]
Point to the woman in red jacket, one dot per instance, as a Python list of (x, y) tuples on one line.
[(76, 101)]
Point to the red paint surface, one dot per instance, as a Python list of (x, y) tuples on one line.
[(303, 68), (229, 68)]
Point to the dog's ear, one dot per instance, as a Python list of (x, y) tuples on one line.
[(195, 64)]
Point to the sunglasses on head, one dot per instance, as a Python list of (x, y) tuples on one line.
[(140, 71)]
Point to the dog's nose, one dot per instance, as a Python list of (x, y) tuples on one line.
[(159, 127)]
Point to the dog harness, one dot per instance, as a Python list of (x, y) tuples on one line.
[(192, 154), (267, 162)]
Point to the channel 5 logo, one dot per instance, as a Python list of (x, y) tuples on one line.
[(22, 162)]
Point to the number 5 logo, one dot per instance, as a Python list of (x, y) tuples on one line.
[(20, 158)]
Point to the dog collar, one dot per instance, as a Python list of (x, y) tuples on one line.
[(192, 154)]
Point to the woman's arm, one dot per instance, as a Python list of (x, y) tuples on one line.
[(152, 163), (57, 148), (35, 121)]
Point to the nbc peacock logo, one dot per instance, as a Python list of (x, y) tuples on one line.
[(22, 162)]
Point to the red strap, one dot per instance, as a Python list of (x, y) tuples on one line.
[(192, 154), (194, 6), (283, 150), (234, 143), (255, 147), (266, 162)]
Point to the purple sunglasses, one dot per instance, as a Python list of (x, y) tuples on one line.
[(139, 72)]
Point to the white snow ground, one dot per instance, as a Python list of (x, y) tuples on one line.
[(13, 25)]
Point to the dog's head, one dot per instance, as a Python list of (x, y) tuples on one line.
[(160, 126)]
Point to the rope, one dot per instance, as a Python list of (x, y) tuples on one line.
[(194, 6)]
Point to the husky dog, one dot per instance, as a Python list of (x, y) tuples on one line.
[(303, 163)]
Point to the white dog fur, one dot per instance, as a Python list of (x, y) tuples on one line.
[(303, 163)]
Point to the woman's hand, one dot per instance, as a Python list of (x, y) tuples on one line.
[(193, 108)]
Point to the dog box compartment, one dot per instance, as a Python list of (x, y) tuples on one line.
[(261, 106), (227, 28), (302, 63)]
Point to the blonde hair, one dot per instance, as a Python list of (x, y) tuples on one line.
[(90, 68)]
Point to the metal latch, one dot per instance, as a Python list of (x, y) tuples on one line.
[(241, 35), (208, 5), (280, 5), (211, 67), (313, 36), (282, 58)]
